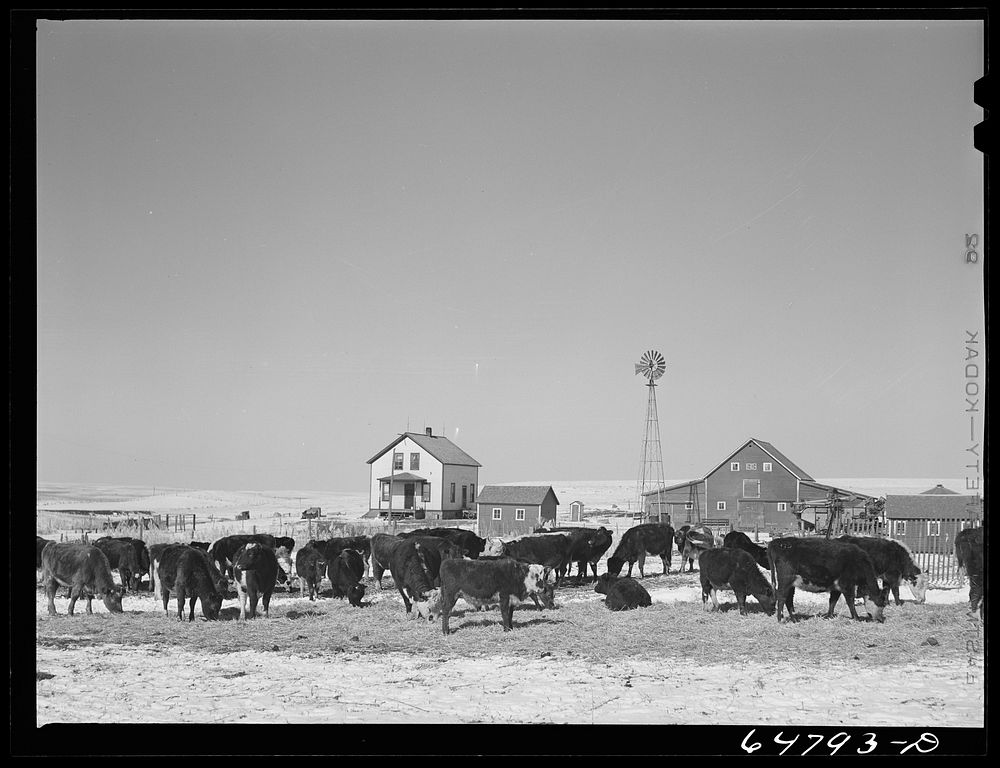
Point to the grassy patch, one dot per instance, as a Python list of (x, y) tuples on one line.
[(584, 628)]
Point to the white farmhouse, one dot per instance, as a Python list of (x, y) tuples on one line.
[(422, 476)]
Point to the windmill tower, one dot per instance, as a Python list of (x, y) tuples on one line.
[(651, 365)]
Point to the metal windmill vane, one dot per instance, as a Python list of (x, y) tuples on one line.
[(651, 366)]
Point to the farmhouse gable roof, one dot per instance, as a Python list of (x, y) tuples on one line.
[(441, 448), (515, 494)]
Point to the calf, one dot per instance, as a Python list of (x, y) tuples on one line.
[(382, 545), (637, 542), (310, 565), (739, 540), (415, 565), (587, 546), (969, 554), (824, 565), (85, 570), (893, 563), (551, 550), (255, 568), (345, 574), (190, 573), (486, 581), (223, 550), (623, 593), (123, 556), (470, 544), (735, 569)]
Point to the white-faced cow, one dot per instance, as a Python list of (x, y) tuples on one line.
[(623, 593), (488, 581), (639, 541), (893, 564), (818, 564), (84, 569), (735, 569), (255, 568)]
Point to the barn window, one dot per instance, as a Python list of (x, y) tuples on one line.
[(689, 506), (453, 492), (427, 491), (751, 465), (734, 466), (720, 506), (385, 491), (397, 461), (782, 506), (519, 514), (767, 466), (899, 527), (751, 489), (414, 461), (497, 512), (933, 527)]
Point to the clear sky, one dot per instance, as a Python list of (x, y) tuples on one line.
[(265, 248)]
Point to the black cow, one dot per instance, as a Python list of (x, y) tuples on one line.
[(310, 565), (345, 576), (623, 593), (893, 563), (487, 581), (255, 568), (637, 542), (223, 550), (739, 540), (470, 544), (824, 565), (331, 548), (84, 569), (202, 545), (39, 546), (382, 545), (190, 574), (551, 550), (415, 565), (969, 553), (155, 551), (587, 546), (691, 541), (123, 556), (735, 569)]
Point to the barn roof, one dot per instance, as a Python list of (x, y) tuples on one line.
[(898, 507), (771, 451), (939, 490), (441, 448), (515, 494)]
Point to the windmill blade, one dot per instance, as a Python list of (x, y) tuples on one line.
[(643, 369)]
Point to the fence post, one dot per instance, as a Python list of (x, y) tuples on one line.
[(194, 523)]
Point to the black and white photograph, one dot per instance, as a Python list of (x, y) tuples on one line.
[(569, 371)]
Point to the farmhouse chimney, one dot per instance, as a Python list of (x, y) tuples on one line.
[(428, 431)]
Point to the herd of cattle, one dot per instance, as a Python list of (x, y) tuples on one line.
[(433, 567)]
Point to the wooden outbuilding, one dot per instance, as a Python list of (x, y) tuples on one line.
[(928, 522), (514, 510)]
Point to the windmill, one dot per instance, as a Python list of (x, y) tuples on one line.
[(651, 365)]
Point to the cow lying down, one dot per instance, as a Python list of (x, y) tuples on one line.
[(623, 592), (502, 581)]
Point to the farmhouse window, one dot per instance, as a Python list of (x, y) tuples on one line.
[(397, 461), (782, 506), (933, 527), (734, 466), (751, 489), (414, 461), (751, 465), (453, 492), (465, 497), (766, 466), (497, 512), (720, 506), (385, 491), (472, 493), (427, 491), (899, 527), (519, 514)]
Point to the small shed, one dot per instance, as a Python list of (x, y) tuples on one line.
[(576, 511), (312, 513), (928, 522), (514, 510)]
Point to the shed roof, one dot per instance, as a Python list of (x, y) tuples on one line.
[(921, 505), (441, 448), (515, 494), (939, 490), (677, 487)]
